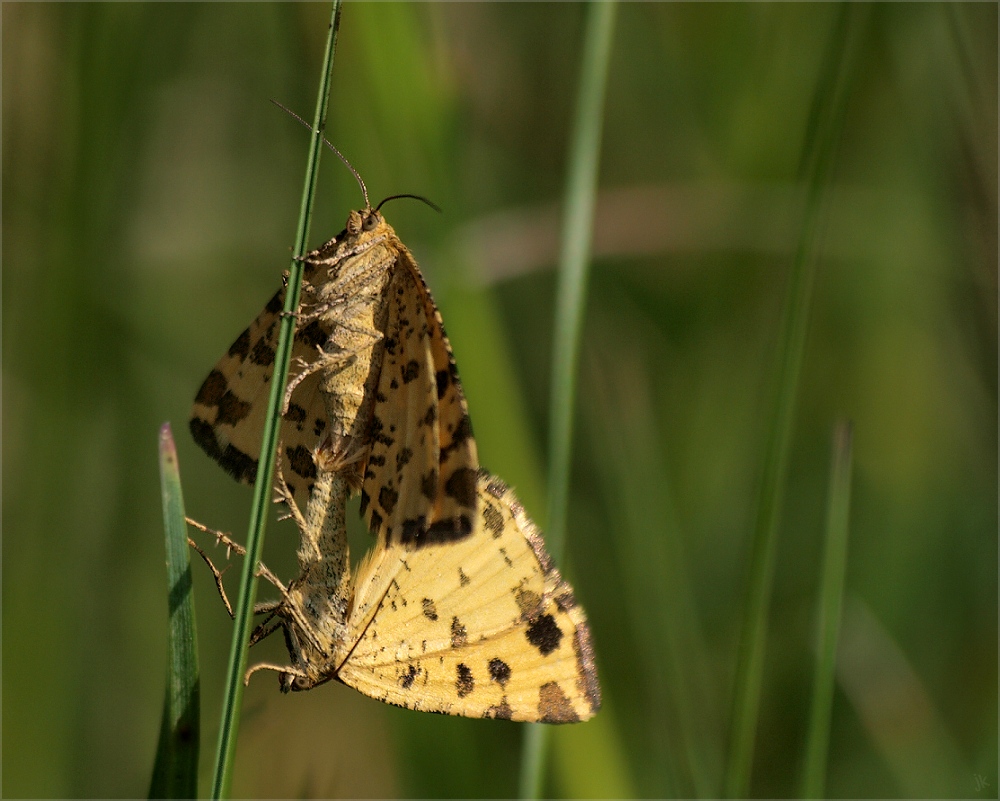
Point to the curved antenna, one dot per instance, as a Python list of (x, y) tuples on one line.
[(415, 197), (361, 183)]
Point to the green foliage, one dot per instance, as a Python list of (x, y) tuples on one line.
[(150, 202), (175, 772)]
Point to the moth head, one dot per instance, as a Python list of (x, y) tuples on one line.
[(354, 223), (290, 682), (364, 220)]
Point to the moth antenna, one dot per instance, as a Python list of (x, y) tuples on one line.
[(415, 197), (343, 158)]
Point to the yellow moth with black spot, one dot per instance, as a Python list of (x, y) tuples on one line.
[(457, 607)]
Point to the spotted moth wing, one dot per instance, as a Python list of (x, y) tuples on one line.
[(420, 480), (227, 418), (482, 627)]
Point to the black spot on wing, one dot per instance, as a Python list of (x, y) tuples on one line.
[(296, 414), (544, 634), (275, 304), (443, 381), (459, 637), (238, 464), (406, 680), (409, 371), (493, 520), (501, 711), (241, 347), (387, 498), (448, 529), (461, 485), (301, 461), (499, 671), (403, 458), (464, 683), (262, 353), (430, 610), (232, 410), (212, 389), (413, 531), (554, 706)]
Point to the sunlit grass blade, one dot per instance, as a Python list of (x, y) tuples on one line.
[(175, 771), (831, 596), (229, 726), (826, 122), (577, 236)]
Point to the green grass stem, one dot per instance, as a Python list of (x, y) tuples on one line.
[(175, 771), (577, 236), (222, 780), (830, 602), (820, 144)]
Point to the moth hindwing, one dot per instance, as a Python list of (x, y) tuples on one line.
[(457, 607)]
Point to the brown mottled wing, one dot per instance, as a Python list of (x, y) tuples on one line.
[(481, 627), (420, 480), (227, 418)]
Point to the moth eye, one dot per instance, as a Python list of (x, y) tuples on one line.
[(370, 221)]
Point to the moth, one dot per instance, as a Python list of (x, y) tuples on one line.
[(457, 607)]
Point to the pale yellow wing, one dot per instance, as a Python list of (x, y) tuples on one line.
[(482, 627), (227, 418), (420, 480)]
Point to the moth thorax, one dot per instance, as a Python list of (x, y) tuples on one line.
[(353, 366)]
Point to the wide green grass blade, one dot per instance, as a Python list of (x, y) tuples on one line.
[(822, 137), (831, 597), (175, 771), (577, 236), (222, 781)]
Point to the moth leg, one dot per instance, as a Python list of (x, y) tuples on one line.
[(288, 669), (308, 369), (221, 537), (312, 256), (288, 608), (217, 574), (284, 495), (263, 631)]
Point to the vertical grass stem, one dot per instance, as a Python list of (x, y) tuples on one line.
[(222, 780)]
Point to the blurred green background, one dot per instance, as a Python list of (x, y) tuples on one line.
[(150, 194)]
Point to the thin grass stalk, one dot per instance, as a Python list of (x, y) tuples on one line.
[(830, 602), (175, 770), (577, 237), (222, 781), (822, 137)]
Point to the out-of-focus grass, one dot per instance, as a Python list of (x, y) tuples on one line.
[(149, 193)]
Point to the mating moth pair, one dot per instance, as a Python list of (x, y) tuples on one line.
[(457, 608)]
